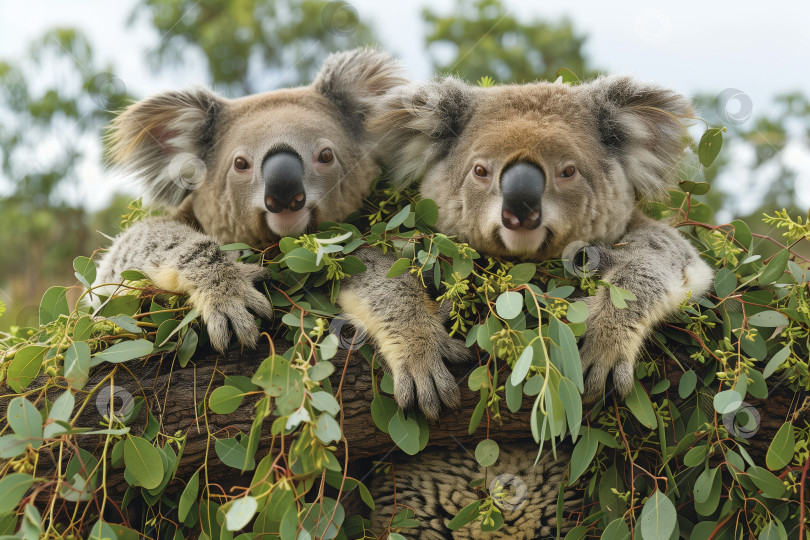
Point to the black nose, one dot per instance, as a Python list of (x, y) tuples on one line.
[(283, 174), (522, 187)]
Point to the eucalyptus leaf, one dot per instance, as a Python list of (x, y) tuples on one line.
[(486, 452), (775, 268), (404, 432), (225, 399), (780, 451), (143, 462), (658, 517), (509, 305), (123, 352), (25, 366), (23, 417), (640, 405), (53, 305), (709, 147)]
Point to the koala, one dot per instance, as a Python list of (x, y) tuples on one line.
[(535, 171), (532, 171), (247, 170)]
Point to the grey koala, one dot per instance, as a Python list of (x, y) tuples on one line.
[(528, 171), (536, 171), (245, 170)]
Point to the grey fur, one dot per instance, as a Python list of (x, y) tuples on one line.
[(625, 139), (181, 147), (409, 333), (353, 81), (144, 140)]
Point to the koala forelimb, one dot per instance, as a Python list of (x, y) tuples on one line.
[(179, 258), (408, 329), (662, 269)]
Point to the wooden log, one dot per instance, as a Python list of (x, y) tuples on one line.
[(173, 396)]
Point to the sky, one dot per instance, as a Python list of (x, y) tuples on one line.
[(694, 46)]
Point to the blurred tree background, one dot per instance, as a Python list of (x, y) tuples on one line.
[(56, 101)]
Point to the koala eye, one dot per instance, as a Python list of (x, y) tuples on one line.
[(480, 171), (568, 172), (326, 156), (241, 164)]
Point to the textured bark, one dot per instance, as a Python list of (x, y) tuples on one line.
[(172, 396)]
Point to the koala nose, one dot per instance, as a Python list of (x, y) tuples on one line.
[(522, 187), (283, 174)]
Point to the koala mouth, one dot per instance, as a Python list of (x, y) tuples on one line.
[(289, 223)]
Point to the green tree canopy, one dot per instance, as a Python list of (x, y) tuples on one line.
[(253, 45), (54, 105), (487, 40)]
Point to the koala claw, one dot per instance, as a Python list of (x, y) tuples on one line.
[(228, 304), (429, 388), (614, 348), (426, 381)]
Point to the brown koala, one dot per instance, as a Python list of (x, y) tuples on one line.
[(245, 170), (536, 171), (530, 170)]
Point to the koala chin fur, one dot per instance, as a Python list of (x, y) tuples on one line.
[(213, 159)]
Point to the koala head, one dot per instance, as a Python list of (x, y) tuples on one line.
[(259, 167), (527, 169)]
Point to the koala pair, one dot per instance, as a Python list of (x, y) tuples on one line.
[(246, 170), (520, 170), (523, 170)]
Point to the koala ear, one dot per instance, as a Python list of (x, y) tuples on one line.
[(644, 125), (418, 124), (161, 138), (355, 80)]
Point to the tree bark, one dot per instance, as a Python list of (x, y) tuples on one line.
[(172, 395)]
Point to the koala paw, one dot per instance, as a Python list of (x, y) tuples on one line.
[(420, 376), (226, 302), (607, 346)]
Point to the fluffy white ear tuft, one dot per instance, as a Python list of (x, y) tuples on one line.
[(164, 141), (417, 125), (643, 124), (354, 82)]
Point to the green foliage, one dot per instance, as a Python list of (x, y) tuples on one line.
[(253, 45), (47, 126), (525, 319), (490, 41), (795, 229), (635, 461)]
